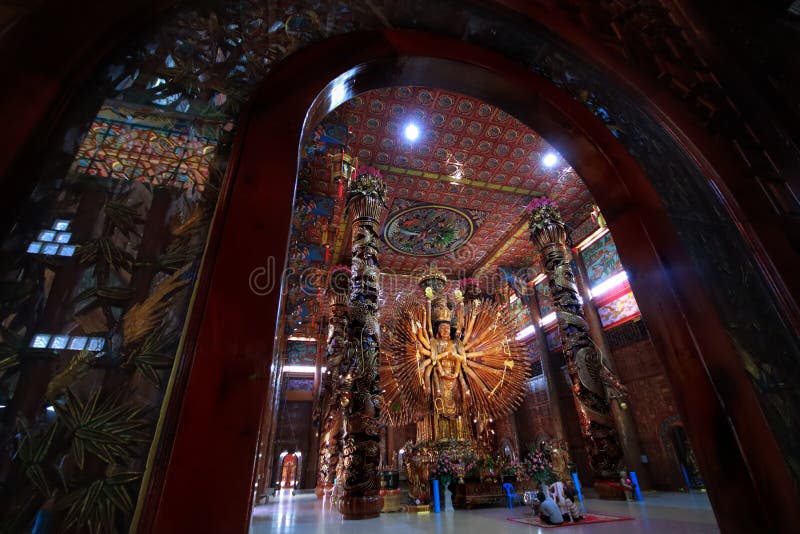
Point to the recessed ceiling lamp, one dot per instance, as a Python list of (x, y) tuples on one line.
[(411, 132), (549, 159)]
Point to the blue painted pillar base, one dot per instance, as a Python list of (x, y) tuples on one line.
[(578, 489), (636, 491), (577, 486), (686, 478)]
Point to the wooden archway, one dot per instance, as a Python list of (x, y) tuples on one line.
[(233, 327)]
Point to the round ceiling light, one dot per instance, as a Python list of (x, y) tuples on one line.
[(549, 159), (411, 132)]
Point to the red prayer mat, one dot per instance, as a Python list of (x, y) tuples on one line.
[(588, 519)]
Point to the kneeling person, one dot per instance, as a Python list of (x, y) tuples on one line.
[(549, 512)]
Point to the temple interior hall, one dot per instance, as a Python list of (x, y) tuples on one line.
[(294, 266)]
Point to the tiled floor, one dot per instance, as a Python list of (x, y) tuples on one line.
[(659, 513)]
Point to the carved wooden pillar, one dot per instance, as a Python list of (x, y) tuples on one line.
[(338, 294), (586, 371), (550, 375), (629, 434), (566, 430), (360, 390)]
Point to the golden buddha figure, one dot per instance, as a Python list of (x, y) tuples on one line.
[(448, 362), (442, 378)]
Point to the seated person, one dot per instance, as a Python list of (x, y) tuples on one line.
[(571, 498), (626, 484), (536, 505), (549, 512), (557, 493)]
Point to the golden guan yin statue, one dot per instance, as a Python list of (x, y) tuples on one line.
[(446, 364)]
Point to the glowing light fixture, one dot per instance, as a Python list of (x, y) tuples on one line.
[(411, 132), (550, 159), (53, 241), (547, 319), (300, 369), (525, 332), (299, 338), (608, 285), (591, 238), (539, 277)]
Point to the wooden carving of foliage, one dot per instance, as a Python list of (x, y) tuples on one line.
[(113, 296), (74, 370), (32, 450), (104, 253), (122, 217), (93, 508), (185, 247), (154, 354), (145, 316), (108, 429)]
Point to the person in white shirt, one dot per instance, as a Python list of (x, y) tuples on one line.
[(549, 512), (557, 493)]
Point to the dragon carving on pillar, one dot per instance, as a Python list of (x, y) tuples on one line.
[(592, 382)]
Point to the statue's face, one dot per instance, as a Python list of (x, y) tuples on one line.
[(443, 331)]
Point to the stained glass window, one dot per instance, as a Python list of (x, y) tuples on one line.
[(601, 260), (618, 311), (162, 149)]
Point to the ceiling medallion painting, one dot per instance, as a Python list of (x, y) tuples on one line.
[(428, 230)]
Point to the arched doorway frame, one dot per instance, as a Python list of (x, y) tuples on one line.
[(295, 465), (703, 367)]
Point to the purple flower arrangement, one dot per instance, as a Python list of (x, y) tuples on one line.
[(544, 211), (538, 467), (541, 202), (365, 169)]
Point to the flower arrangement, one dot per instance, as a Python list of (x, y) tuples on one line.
[(368, 182), (538, 467), (512, 468), (542, 202), (445, 469), (365, 169), (470, 469), (488, 470), (544, 210)]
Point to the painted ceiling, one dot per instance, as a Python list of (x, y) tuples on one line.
[(456, 196)]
